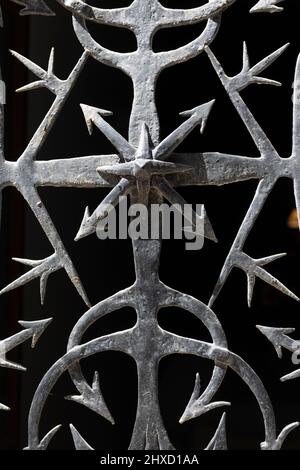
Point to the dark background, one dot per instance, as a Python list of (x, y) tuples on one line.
[(106, 267)]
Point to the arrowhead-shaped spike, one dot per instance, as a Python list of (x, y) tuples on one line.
[(93, 399), (196, 407), (90, 113), (275, 335), (202, 111), (266, 6), (79, 442), (40, 268), (37, 327)]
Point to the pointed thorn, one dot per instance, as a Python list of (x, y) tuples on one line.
[(216, 64), (285, 432), (272, 281), (46, 440), (209, 231), (43, 286), (83, 232), (266, 81), (251, 283), (28, 262), (267, 61), (197, 388), (51, 62), (293, 375), (246, 60), (12, 365), (219, 440), (4, 407), (34, 68), (145, 143), (269, 259), (219, 284), (79, 442), (31, 86)]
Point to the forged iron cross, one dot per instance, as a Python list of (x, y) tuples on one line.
[(148, 169)]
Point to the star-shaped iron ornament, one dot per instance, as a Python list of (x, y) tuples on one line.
[(276, 167), (144, 166)]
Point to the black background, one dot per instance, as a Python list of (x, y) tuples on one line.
[(106, 267)]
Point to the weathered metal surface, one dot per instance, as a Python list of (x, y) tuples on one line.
[(148, 170)]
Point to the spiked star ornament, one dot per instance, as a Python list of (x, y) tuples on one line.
[(269, 156), (144, 166)]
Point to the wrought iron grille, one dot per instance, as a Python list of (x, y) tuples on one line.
[(148, 169)]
